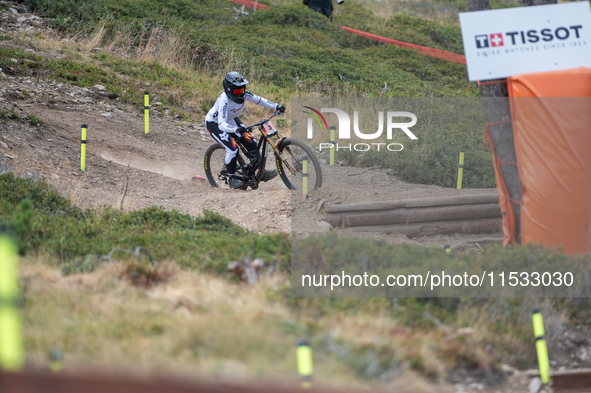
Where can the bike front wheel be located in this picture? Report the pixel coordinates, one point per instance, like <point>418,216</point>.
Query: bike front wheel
<point>215,166</point>
<point>295,152</point>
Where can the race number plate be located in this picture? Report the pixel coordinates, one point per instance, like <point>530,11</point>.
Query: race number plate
<point>269,128</point>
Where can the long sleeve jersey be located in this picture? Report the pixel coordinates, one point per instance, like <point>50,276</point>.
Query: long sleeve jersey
<point>225,110</point>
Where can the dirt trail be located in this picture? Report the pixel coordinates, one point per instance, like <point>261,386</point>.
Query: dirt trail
<point>164,161</point>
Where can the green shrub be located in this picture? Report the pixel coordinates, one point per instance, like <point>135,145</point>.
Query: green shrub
<point>207,242</point>
<point>19,225</point>
<point>23,59</point>
<point>34,120</point>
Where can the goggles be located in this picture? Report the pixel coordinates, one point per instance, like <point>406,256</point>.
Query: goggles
<point>238,92</point>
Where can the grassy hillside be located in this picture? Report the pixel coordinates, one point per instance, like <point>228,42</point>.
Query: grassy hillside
<point>180,50</point>
<point>288,46</point>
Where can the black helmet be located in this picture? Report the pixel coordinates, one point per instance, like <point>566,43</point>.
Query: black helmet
<point>235,86</point>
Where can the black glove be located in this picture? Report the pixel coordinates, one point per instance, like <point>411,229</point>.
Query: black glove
<point>240,131</point>
<point>280,108</point>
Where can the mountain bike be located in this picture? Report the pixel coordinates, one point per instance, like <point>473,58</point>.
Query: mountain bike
<point>292,156</point>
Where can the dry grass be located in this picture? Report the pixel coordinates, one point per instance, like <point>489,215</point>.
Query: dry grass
<point>193,324</point>
<point>198,325</point>
<point>96,38</point>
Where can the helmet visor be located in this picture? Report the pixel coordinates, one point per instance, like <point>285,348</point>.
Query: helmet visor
<point>239,91</point>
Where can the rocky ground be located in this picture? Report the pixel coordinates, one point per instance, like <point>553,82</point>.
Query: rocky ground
<point>17,20</point>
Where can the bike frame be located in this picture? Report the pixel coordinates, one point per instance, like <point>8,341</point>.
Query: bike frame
<point>262,147</point>
<point>263,151</point>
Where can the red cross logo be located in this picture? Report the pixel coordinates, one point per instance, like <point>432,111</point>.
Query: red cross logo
<point>496,39</point>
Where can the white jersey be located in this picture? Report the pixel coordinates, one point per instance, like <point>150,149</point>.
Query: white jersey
<point>225,110</point>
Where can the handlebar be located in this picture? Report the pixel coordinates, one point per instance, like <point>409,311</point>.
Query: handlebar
<point>277,113</point>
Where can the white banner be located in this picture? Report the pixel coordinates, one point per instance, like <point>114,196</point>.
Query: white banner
<point>507,42</point>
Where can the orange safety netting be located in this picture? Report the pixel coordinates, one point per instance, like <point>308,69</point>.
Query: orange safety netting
<point>551,117</point>
<point>437,53</point>
<point>505,201</point>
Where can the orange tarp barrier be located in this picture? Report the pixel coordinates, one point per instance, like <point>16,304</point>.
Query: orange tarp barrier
<point>551,118</point>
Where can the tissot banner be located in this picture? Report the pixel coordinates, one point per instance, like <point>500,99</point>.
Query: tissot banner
<point>507,42</point>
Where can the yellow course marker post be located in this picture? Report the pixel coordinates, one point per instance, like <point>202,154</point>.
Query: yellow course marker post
<point>11,346</point>
<point>541,347</point>
<point>56,360</point>
<point>83,148</point>
<point>461,169</point>
<point>147,110</point>
<point>304,358</point>
<point>305,175</point>
<point>332,142</point>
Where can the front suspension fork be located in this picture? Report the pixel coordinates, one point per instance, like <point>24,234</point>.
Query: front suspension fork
<point>276,150</point>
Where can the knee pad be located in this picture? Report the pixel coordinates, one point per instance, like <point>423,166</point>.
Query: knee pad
<point>230,155</point>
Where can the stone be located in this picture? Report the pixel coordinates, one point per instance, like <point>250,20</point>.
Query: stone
<point>4,145</point>
<point>22,19</point>
<point>106,114</point>
<point>324,225</point>
<point>465,331</point>
<point>246,269</point>
<point>508,369</point>
<point>13,10</point>
<point>100,87</point>
<point>534,385</point>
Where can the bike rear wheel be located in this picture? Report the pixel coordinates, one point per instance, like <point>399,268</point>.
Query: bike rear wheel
<point>215,166</point>
<point>295,151</point>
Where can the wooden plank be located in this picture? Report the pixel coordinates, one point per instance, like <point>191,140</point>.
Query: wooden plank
<point>417,202</point>
<point>46,382</point>
<point>571,381</point>
<point>485,225</point>
<point>418,214</point>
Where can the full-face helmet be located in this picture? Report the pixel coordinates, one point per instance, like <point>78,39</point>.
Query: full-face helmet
<point>235,86</point>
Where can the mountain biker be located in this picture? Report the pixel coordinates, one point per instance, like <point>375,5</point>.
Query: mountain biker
<point>225,127</point>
